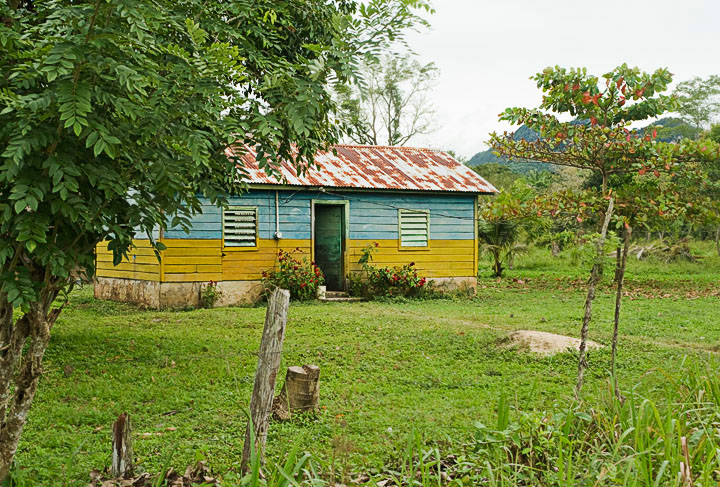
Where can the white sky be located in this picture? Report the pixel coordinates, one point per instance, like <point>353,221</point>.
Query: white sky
<point>487,50</point>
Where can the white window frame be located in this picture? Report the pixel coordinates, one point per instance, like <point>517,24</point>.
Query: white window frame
<point>233,244</point>
<point>413,244</point>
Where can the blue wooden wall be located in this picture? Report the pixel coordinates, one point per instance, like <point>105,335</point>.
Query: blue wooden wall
<point>373,215</point>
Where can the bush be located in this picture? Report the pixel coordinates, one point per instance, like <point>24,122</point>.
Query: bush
<point>301,278</point>
<point>386,281</point>
<point>210,294</point>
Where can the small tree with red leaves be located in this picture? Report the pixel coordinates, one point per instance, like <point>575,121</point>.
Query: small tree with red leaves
<point>600,138</point>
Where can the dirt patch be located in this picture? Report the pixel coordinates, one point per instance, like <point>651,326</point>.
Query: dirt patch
<point>544,343</point>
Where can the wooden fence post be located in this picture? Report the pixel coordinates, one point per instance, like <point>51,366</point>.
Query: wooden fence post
<point>122,452</point>
<point>268,365</point>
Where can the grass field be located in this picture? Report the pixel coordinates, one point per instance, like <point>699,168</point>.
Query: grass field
<point>387,367</point>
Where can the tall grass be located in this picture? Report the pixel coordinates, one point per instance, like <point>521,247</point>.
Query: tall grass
<point>674,441</point>
<point>635,442</point>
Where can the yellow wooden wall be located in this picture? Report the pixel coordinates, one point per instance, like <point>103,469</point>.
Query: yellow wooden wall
<point>443,258</point>
<point>248,265</point>
<point>142,263</point>
<point>193,260</point>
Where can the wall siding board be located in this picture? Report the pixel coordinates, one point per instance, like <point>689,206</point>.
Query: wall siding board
<point>142,263</point>
<point>373,215</point>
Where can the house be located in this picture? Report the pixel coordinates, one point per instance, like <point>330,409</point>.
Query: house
<point>419,205</point>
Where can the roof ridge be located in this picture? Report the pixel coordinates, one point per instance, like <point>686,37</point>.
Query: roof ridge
<point>398,147</point>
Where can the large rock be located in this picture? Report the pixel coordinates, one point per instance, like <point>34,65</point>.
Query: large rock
<point>545,343</point>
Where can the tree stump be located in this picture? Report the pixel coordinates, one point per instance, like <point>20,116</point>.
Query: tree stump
<point>122,452</point>
<point>300,392</point>
<point>268,365</point>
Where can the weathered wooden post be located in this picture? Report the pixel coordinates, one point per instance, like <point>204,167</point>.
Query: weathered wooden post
<point>122,452</point>
<point>268,364</point>
<point>299,393</point>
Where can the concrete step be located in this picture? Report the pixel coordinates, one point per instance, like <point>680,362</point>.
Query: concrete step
<point>341,299</point>
<point>336,294</point>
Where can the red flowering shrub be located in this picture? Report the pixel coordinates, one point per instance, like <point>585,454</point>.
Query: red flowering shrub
<point>210,294</point>
<point>301,278</point>
<point>387,281</point>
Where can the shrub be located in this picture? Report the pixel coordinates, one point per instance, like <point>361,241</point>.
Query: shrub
<point>300,277</point>
<point>386,281</point>
<point>210,294</point>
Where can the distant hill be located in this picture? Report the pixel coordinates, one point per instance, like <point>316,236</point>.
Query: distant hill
<point>672,129</point>
<point>523,133</point>
<point>669,129</point>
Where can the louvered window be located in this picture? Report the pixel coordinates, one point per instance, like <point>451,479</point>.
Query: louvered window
<point>240,226</point>
<point>414,228</point>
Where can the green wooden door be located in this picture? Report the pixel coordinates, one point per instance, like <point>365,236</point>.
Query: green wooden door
<point>329,244</point>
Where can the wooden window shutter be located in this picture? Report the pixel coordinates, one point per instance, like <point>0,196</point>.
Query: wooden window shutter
<point>240,226</point>
<point>414,228</point>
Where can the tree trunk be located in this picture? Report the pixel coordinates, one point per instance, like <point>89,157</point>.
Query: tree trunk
<point>554,249</point>
<point>618,259</point>
<point>268,364</point>
<point>122,452</point>
<point>619,278</point>
<point>717,241</point>
<point>497,266</point>
<point>22,348</point>
<point>300,393</point>
<point>594,278</point>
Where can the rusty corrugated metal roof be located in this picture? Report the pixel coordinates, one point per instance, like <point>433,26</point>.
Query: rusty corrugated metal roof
<point>374,167</point>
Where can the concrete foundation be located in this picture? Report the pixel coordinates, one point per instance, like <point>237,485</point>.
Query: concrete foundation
<point>161,295</point>
<point>448,284</point>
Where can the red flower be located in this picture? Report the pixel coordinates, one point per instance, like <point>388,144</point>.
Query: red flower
<point>376,244</point>
<point>303,285</point>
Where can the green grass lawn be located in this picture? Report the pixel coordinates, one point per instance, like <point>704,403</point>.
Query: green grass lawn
<point>386,367</point>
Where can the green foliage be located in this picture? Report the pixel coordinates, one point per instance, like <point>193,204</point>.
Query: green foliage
<point>714,133</point>
<point>116,117</point>
<point>500,176</point>
<point>650,180</point>
<point>402,280</point>
<point>210,294</point>
<point>672,129</point>
<point>301,277</point>
<point>503,219</point>
<point>636,443</point>
<point>490,157</point>
<point>559,240</point>
<point>585,252</point>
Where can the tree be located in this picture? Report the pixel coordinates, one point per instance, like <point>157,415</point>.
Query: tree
<point>540,180</point>
<point>712,167</point>
<point>602,144</point>
<point>391,105</point>
<point>714,133</point>
<point>502,177</point>
<point>502,221</point>
<point>115,118</point>
<point>698,100</point>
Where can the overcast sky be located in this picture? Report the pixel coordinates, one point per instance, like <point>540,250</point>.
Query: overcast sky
<point>487,50</point>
